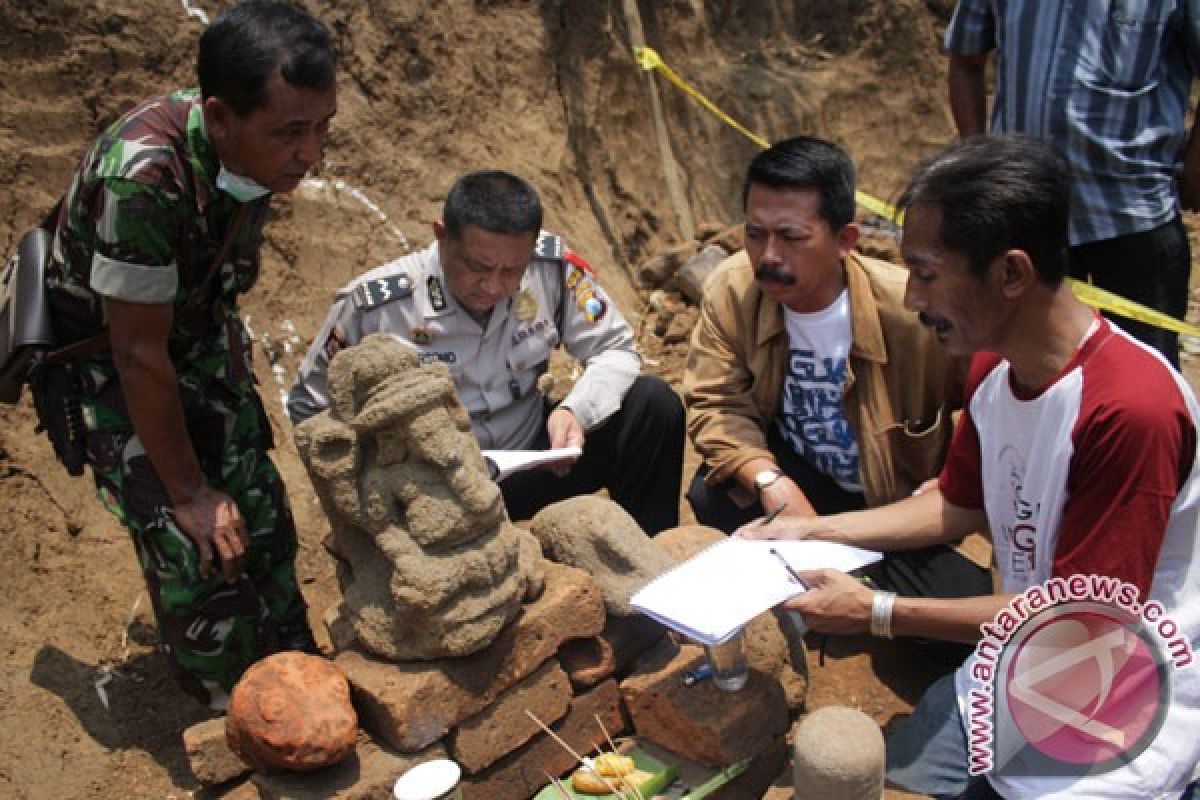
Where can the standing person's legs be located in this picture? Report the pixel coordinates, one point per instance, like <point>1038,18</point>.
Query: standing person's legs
<point>210,631</point>
<point>637,454</point>
<point>1151,268</point>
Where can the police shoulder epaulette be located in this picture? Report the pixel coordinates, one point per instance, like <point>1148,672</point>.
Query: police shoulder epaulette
<point>380,291</point>
<point>549,246</point>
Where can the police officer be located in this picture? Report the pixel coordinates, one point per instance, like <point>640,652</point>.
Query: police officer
<point>491,299</point>
<point>158,236</point>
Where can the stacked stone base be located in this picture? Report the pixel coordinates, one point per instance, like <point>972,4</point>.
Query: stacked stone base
<point>560,661</point>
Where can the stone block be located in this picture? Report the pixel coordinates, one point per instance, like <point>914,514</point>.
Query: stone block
<point>596,535</point>
<point>730,239</point>
<point>679,329</point>
<point>589,661</point>
<point>410,705</point>
<point>520,774</point>
<point>367,774</point>
<point>209,755</point>
<point>702,723</point>
<point>695,271</point>
<point>243,791</point>
<point>504,726</point>
<point>661,266</point>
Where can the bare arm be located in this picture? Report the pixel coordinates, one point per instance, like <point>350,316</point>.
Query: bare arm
<point>922,520</point>
<point>967,85</point>
<point>138,334</point>
<point>839,604</point>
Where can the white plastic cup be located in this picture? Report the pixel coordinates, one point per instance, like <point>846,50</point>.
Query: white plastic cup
<point>433,780</point>
<point>728,662</point>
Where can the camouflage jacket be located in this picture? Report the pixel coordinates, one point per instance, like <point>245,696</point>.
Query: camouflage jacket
<point>142,222</point>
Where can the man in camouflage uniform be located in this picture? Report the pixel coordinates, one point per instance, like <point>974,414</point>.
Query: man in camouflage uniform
<point>491,299</point>
<point>158,235</point>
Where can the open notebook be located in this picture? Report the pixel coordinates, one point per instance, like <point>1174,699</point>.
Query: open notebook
<point>712,595</point>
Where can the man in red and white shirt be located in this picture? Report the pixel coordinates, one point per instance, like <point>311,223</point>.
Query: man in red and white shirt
<point>1076,448</point>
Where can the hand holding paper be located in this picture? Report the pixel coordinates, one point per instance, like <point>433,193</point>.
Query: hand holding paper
<point>502,463</point>
<point>712,595</point>
<point>835,603</point>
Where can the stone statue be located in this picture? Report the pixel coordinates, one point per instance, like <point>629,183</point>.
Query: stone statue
<point>429,564</point>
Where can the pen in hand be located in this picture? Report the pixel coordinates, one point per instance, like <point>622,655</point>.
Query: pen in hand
<point>795,575</point>
<point>769,518</point>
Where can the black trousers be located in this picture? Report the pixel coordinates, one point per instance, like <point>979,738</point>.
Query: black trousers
<point>938,571</point>
<point>1150,268</point>
<point>637,455</point>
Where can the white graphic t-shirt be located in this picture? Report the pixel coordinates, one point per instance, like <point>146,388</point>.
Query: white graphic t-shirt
<point>811,418</point>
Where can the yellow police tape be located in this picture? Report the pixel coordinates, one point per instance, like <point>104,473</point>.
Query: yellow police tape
<point>648,59</point>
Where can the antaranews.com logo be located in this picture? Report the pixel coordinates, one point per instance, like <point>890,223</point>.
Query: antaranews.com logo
<point>1072,677</point>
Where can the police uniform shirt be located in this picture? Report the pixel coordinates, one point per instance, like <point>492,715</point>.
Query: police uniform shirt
<point>495,367</point>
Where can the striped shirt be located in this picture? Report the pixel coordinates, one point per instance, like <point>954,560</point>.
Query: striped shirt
<point>1106,83</point>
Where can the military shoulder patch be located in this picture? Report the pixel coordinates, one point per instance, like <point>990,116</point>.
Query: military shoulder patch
<point>380,291</point>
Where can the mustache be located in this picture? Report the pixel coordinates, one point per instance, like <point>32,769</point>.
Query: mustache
<point>770,275</point>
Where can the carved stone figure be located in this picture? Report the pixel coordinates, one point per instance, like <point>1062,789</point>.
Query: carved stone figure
<point>429,564</point>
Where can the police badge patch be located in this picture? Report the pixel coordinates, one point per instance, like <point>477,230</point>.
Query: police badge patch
<point>525,307</point>
<point>437,296</point>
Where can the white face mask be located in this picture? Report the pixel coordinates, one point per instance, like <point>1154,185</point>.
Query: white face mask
<point>241,188</point>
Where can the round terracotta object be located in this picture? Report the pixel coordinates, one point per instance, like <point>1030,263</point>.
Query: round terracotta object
<point>291,711</point>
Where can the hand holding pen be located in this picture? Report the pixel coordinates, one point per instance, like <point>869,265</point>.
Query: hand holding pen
<point>795,575</point>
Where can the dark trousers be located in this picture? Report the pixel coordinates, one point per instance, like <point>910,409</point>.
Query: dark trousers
<point>637,455</point>
<point>1150,268</point>
<point>937,571</point>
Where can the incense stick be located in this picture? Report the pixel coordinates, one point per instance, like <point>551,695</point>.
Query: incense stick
<point>637,792</point>
<point>586,762</point>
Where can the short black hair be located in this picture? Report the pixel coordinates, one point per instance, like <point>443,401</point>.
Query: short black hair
<point>805,162</point>
<point>246,44</point>
<point>998,193</point>
<point>496,201</point>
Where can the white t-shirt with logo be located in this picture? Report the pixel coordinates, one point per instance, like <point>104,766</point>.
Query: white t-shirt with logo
<point>1095,474</point>
<point>812,419</point>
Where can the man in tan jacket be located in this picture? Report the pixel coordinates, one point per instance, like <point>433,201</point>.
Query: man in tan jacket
<point>809,387</point>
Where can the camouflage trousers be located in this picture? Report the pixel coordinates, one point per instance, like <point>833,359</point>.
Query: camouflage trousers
<point>210,630</point>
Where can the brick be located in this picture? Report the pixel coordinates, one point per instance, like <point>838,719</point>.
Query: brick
<point>504,726</point>
<point>368,774</point>
<point>208,753</point>
<point>703,723</point>
<point>521,774</point>
<point>589,661</point>
<point>410,705</point>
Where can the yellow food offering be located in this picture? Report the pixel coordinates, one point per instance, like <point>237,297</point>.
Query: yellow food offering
<point>614,765</point>
<point>609,771</point>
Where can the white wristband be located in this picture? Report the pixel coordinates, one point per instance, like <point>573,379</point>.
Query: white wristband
<point>881,614</point>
